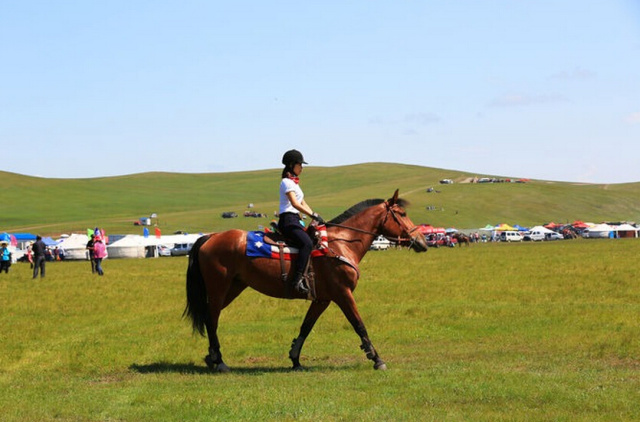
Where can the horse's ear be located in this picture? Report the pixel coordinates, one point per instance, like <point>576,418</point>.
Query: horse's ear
<point>393,200</point>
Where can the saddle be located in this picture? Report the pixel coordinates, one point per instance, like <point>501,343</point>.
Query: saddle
<point>320,247</point>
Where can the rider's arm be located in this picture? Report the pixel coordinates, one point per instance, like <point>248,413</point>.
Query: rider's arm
<point>299,205</point>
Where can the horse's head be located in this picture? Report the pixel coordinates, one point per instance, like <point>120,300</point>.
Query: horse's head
<point>398,225</point>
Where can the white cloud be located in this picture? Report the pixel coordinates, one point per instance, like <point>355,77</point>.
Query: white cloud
<point>575,74</point>
<point>633,118</point>
<point>517,100</point>
<point>422,118</point>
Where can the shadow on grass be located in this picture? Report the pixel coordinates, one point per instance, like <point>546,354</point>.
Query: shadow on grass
<point>192,368</point>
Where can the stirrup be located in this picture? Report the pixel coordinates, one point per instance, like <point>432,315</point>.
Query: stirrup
<point>300,286</point>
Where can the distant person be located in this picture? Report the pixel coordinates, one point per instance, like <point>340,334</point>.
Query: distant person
<point>90,244</point>
<point>30,256</point>
<point>39,251</point>
<point>5,257</point>
<point>99,253</point>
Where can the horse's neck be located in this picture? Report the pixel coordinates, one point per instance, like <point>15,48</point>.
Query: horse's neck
<point>358,232</point>
<point>368,220</point>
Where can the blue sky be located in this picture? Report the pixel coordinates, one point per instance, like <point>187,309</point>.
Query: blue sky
<point>539,89</point>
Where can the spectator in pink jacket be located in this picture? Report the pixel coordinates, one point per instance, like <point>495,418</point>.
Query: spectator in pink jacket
<point>99,252</point>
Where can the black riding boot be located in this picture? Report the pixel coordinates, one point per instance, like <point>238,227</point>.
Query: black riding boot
<point>300,284</point>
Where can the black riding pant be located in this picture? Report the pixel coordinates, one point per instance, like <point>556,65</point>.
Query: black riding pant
<point>38,266</point>
<point>4,266</point>
<point>291,228</point>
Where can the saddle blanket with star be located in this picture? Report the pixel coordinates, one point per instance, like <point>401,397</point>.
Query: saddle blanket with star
<point>258,247</point>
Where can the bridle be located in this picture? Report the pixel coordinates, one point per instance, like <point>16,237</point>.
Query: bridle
<point>399,240</point>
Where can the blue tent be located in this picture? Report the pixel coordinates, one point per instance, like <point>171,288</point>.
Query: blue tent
<point>25,237</point>
<point>49,241</point>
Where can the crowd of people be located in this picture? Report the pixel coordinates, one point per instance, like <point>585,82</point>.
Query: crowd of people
<point>37,254</point>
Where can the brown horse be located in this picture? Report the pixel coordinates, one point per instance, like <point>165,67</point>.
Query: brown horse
<point>461,238</point>
<point>219,271</point>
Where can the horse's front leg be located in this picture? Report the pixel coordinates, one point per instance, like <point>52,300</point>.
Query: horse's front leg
<point>315,310</point>
<point>348,305</point>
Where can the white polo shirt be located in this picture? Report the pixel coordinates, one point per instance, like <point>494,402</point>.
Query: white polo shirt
<point>288,185</point>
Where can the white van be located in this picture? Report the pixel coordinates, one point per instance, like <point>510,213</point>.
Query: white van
<point>510,236</point>
<point>180,249</point>
<point>381,243</point>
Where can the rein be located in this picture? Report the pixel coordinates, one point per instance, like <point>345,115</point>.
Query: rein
<point>397,239</point>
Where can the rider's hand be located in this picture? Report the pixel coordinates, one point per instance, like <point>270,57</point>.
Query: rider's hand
<point>317,218</point>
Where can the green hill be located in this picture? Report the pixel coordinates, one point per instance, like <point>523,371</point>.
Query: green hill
<point>194,202</point>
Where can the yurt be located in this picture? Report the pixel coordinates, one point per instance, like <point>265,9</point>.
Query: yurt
<point>130,246</point>
<point>600,231</point>
<point>75,246</point>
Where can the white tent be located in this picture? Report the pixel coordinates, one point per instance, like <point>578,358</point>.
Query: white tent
<point>75,246</point>
<point>541,229</point>
<point>130,246</point>
<point>136,246</point>
<point>626,230</point>
<point>172,239</point>
<point>599,231</point>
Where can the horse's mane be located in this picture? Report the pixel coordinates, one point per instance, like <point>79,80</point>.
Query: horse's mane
<point>360,206</point>
<point>356,209</point>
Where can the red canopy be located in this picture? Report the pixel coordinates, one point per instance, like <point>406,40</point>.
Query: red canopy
<point>428,229</point>
<point>580,224</point>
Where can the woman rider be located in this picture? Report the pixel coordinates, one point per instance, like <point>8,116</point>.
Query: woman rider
<point>292,203</point>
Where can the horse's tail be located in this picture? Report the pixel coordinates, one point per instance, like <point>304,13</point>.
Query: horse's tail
<point>197,308</point>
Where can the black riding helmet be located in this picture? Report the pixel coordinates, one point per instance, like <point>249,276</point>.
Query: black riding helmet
<point>292,157</point>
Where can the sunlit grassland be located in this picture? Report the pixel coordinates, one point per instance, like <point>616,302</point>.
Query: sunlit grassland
<point>195,202</point>
<point>544,331</point>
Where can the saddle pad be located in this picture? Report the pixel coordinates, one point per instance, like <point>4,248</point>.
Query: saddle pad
<point>257,247</point>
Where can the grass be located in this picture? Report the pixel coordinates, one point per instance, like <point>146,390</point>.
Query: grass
<point>543,331</point>
<point>195,202</point>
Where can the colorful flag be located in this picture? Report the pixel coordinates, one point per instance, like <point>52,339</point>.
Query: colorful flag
<point>257,247</point>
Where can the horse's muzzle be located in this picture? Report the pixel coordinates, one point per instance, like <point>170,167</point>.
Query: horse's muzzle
<point>419,243</point>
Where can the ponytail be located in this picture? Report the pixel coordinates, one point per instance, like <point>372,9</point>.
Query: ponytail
<point>287,171</point>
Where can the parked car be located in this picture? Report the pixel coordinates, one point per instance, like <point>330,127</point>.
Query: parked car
<point>380,243</point>
<point>553,236</point>
<point>534,236</point>
<point>446,182</point>
<point>439,239</point>
<point>510,236</point>
<point>254,214</point>
<point>164,250</point>
<point>181,249</point>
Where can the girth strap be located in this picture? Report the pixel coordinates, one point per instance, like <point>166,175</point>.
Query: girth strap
<point>283,270</point>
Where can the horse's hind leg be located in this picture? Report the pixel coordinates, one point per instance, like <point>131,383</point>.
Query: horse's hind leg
<point>214,358</point>
<point>315,310</point>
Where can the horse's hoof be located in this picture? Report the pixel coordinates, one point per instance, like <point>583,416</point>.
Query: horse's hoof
<point>210,363</point>
<point>223,368</point>
<point>380,366</point>
<point>298,368</point>
<point>216,367</point>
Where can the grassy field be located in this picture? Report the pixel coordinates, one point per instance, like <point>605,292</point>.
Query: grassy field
<point>195,202</point>
<point>544,331</point>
